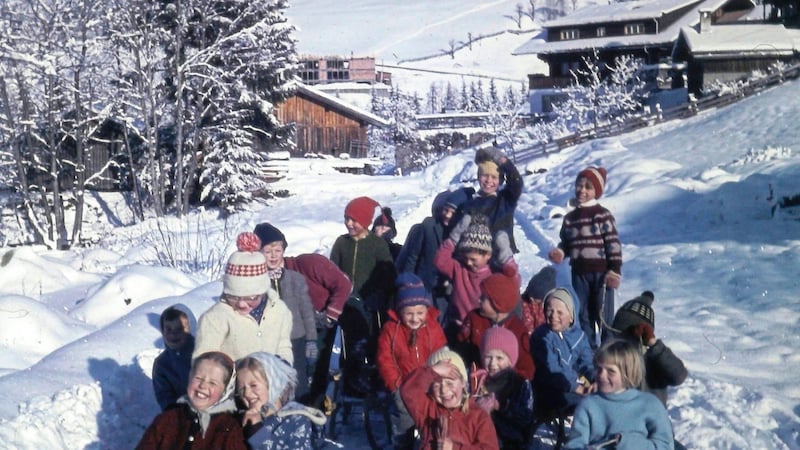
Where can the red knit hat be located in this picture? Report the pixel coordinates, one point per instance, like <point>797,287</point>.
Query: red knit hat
<point>503,339</point>
<point>501,291</point>
<point>596,176</point>
<point>361,209</point>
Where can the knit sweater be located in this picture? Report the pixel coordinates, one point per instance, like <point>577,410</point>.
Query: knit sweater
<point>589,239</point>
<point>223,329</point>
<point>499,208</point>
<point>369,265</point>
<point>397,357</point>
<point>293,290</point>
<point>328,287</point>
<point>466,283</point>
<point>639,418</point>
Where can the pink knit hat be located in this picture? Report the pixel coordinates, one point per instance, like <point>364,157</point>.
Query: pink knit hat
<point>503,339</point>
<point>246,271</point>
<point>361,209</point>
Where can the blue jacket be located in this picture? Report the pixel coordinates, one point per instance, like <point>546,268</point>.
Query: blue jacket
<point>639,418</point>
<point>171,373</point>
<point>419,249</point>
<point>293,427</point>
<point>560,359</point>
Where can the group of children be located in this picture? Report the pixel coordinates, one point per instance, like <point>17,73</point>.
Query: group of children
<point>455,304</point>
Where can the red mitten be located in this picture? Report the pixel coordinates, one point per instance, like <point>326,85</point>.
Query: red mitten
<point>613,279</point>
<point>556,255</point>
<point>510,268</point>
<point>644,331</point>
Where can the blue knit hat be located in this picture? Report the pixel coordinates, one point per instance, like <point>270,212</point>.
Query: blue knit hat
<point>411,292</point>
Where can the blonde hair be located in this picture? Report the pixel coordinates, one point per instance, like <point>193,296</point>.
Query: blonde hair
<point>627,357</point>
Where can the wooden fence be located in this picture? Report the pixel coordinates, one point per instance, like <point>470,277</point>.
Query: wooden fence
<point>751,87</point>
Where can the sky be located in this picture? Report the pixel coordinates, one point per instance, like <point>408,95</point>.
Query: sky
<point>693,201</point>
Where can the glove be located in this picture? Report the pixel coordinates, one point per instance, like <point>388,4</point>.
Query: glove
<point>644,332</point>
<point>312,352</point>
<point>503,244</point>
<point>556,255</point>
<point>460,228</point>
<point>612,279</point>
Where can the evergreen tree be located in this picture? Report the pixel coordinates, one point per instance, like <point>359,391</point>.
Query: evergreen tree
<point>450,101</point>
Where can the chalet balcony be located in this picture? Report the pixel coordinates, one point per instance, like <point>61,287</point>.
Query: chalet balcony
<point>537,81</point>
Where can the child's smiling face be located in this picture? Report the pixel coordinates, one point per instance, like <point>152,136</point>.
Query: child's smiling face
<point>489,182</point>
<point>449,392</point>
<point>584,190</point>
<point>475,260</point>
<point>206,384</point>
<point>414,316</point>
<point>609,378</point>
<point>273,253</point>
<point>354,229</point>
<point>176,332</point>
<point>252,389</point>
<point>496,361</point>
<point>557,315</point>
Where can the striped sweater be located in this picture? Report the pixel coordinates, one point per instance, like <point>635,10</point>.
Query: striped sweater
<point>589,239</point>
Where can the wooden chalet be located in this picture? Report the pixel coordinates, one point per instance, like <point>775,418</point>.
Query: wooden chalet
<point>646,30</point>
<point>334,69</point>
<point>724,53</point>
<point>325,124</point>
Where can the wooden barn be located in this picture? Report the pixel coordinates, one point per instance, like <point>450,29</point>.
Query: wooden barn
<point>325,124</point>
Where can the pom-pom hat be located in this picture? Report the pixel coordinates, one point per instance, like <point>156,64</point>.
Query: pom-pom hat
<point>361,209</point>
<point>478,236</point>
<point>246,270</point>
<point>268,234</point>
<point>503,339</point>
<point>596,176</point>
<point>636,311</point>
<point>501,291</point>
<point>411,292</point>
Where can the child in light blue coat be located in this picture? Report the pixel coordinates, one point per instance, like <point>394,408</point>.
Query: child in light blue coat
<point>619,412</point>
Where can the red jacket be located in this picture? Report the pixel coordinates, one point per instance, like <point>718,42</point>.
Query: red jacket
<point>172,428</point>
<point>472,332</point>
<point>471,429</point>
<point>396,358</point>
<point>328,287</point>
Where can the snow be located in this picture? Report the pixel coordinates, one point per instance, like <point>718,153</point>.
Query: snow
<point>693,200</point>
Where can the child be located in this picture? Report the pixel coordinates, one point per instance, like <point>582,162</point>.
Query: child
<point>203,418</point>
<point>500,188</point>
<point>533,297</point>
<point>498,300</point>
<point>365,259</point>
<point>293,290</point>
<point>406,341</point>
<point>562,356</point>
<point>589,238</point>
<point>446,417</point>
<point>501,391</point>
<point>265,384</point>
<point>384,227</point>
<point>619,410</point>
<point>635,322</point>
<point>464,258</point>
<point>250,317</point>
<point>171,368</point>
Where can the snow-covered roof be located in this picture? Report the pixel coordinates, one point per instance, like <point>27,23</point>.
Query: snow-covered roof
<point>340,104</point>
<point>616,13</point>
<point>619,12</point>
<point>725,40</point>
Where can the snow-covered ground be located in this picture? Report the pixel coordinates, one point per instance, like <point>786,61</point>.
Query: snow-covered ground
<point>692,200</point>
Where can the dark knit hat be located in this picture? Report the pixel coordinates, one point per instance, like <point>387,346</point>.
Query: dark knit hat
<point>478,236</point>
<point>457,198</point>
<point>541,283</point>
<point>269,234</point>
<point>501,291</point>
<point>385,219</point>
<point>564,296</point>
<point>246,270</point>
<point>411,292</point>
<point>596,176</point>
<point>636,311</point>
<point>361,209</point>
<point>503,339</point>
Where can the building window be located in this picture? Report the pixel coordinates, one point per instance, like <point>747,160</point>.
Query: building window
<point>309,70</point>
<point>338,69</point>
<point>601,31</point>
<point>634,28</point>
<point>567,35</point>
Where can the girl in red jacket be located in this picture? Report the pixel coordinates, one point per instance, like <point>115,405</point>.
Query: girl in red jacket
<point>406,341</point>
<point>446,417</point>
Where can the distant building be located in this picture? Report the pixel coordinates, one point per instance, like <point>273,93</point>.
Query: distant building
<point>332,69</point>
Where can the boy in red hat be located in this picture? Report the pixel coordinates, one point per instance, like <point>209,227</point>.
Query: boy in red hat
<point>589,239</point>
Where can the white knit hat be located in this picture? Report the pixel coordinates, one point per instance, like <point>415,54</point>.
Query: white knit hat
<point>246,271</point>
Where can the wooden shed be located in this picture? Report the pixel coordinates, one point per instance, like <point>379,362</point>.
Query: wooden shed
<point>326,124</point>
